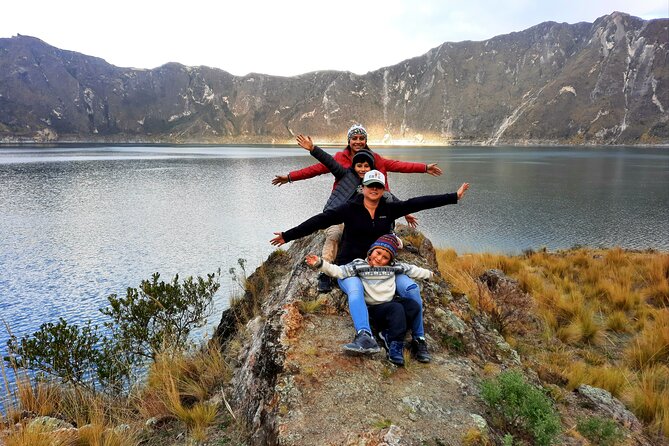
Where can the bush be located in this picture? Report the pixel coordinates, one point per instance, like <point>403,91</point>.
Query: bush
<point>600,431</point>
<point>61,349</point>
<point>520,404</point>
<point>155,317</point>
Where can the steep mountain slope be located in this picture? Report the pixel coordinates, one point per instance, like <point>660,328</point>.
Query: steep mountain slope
<point>605,82</point>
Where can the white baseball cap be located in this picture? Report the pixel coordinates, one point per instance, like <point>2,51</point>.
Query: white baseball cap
<point>374,177</point>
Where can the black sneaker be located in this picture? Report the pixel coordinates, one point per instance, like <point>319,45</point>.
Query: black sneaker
<point>396,352</point>
<point>363,343</point>
<point>324,283</point>
<point>419,350</point>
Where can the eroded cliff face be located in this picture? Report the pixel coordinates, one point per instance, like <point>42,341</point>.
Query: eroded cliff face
<point>293,384</point>
<point>602,82</point>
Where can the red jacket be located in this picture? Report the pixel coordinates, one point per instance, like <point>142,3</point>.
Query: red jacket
<point>344,158</point>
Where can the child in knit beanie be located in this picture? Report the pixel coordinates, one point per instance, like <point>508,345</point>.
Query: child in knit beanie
<point>377,273</point>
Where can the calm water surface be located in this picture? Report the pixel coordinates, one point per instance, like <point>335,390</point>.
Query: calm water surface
<point>77,224</point>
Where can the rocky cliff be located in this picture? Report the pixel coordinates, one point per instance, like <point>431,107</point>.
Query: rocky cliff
<point>605,82</point>
<point>293,385</point>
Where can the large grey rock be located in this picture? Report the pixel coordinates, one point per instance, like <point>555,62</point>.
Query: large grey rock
<point>603,401</point>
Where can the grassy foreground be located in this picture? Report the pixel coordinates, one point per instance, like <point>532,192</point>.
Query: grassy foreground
<point>593,316</point>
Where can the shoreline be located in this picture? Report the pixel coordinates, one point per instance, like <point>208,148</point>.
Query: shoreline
<point>375,144</point>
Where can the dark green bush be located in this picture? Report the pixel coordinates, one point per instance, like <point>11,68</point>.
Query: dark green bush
<point>522,405</point>
<point>59,349</point>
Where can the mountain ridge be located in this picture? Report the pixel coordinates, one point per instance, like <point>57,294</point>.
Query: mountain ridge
<point>604,82</point>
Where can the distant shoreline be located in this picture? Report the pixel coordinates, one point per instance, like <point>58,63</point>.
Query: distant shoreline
<point>323,145</point>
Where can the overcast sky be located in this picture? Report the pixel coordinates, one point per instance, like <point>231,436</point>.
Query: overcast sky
<point>287,37</point>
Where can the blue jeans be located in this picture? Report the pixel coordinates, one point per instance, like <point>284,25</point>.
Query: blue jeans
<point>352,286</point>
<point>406,288</point>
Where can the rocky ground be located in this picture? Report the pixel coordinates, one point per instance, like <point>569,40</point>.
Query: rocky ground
<point>293,384</point>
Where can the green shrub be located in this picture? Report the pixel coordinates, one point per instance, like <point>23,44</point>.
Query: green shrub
<point>521,404</point>
<point>154,317</point>
<point>159,315</point>
<point>600,431</point>
<point>61,349</point>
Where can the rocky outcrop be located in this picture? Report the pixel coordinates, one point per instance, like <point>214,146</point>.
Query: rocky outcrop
<point>601,83</point>
<point>293,385</point>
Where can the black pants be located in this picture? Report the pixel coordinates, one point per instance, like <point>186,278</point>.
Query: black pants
<point>394,316</point>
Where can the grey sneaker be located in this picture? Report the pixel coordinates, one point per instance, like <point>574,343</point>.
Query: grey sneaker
<point>363,343</point>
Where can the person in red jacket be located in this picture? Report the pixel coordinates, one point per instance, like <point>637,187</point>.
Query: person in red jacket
<point>357,140</point>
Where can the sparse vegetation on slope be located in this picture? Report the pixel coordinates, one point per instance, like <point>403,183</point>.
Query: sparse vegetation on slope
<point>604,319</point>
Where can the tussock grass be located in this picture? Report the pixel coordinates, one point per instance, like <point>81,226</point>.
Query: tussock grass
<point>33,437</point>
<point>651,346</point>
<point>42,398</point>
<point>618,322</point>
<point>649,397</point>
<point>608,307</point>
<point>182,385</point>
<point>312,306</point>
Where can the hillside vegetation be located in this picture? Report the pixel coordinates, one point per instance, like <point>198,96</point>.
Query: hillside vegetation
<point>603,319</point>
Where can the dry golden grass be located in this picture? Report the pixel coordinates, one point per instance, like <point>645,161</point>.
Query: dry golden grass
<point>197,417</point>
<point>41,398</point>
<point>32,437</point>
<point>651,346</point>
<point>181,385</point>
<point>178,385</point>
<point>475,437</point>
<point>649,397</point>
<point>592,300</point>
<point>618,322</point>
<point>312,306</point>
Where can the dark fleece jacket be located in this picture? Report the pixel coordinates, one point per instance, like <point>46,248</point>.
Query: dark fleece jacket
<point>360,229</point>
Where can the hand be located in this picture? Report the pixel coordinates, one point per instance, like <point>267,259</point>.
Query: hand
<point>278,240</point>
<point>433,170</point>
<point>412,220</point>
<point>462,190</point>
<point>279,180</point>
<point>305,142</point>
<point>311,260</point>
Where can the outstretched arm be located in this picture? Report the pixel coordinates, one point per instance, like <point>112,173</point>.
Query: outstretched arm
<point>306,143</point>
<point>400,208</point>
<point>309,226</point>
<point>411,219</point>
<point>339,272</point>
<point>328,161</point>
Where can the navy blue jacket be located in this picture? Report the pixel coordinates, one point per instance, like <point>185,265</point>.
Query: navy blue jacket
<point>347,180</point>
